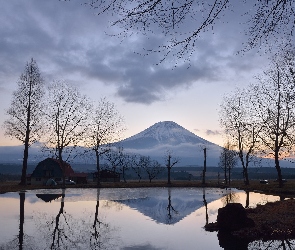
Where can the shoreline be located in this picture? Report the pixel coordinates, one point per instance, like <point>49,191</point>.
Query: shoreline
<point>288,191</point>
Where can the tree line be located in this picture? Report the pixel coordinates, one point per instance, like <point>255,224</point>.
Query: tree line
<point>63,119</point>
<point>259,120</point>
<point>60,117</point>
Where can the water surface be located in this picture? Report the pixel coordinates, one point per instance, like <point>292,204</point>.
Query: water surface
<point>139,218</point>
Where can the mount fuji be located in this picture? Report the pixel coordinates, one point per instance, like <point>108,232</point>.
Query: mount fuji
<point>165,136</point>
<point>154,141</point>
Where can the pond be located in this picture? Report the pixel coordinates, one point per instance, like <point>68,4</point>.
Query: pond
<point>125,219</point>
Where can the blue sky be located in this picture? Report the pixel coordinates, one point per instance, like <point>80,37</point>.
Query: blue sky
<point>70,42</point>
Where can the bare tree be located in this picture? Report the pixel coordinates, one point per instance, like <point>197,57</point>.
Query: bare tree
<point>114,158</point>
<point>268,20</point>
<point>136,166</point>
<point>124,164</point>
<point>228,160</point>
<point>151,167</point>
<point>274,98</point>
<point>237,119</point>
<point>67,113</point>
<point>271,21</point>
<point>168,17</point>
<point>25,112</point>
<point>106,127</point>
<point>170,163</point>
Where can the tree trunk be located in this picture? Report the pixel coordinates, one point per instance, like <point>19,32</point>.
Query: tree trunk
<point>204,170</point>
<point>278,168</point>
<point>25,164</point>
<point>169,168</point>
<point>26,150</point>
<point>225,176</point>
<point>62,167</point>
<point>97,167</point>
<point>246,176</point>
<point>229,169</point>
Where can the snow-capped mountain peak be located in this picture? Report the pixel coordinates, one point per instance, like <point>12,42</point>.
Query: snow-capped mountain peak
<point>166,132</point>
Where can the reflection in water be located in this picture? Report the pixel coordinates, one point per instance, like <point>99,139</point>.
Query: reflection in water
<point>247,199</point>
<point>170,208</point>
<point>22,240</point>
<point>102,234</point>
<point>151,218</point>
<point>48,197</point>
<point>22,197</point>
<point>206,205</point>
<point>95,236</point>
<point>230,197</point>
<point>59,234</point>
<point>74,231</point>
<point>229,242</point>
<point>272,244</point>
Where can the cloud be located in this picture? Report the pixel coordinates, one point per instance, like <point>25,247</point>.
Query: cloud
<point>213,132</point>
<point>67,39</point>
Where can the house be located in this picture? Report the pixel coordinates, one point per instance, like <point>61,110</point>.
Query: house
<point>49,169</point>
<point>107,176</point>
<point>79,178</point>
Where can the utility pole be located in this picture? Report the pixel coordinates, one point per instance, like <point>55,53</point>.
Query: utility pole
<point>204,170</point>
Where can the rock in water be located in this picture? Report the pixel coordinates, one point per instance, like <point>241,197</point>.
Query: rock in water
<point>233,217</point>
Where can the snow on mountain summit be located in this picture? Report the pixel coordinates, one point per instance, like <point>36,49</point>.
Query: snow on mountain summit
<point>165,136</point>
<point>166,132</point>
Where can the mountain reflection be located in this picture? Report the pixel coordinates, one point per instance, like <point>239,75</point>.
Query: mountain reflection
<point>169,206</point>
<point>117,219</point>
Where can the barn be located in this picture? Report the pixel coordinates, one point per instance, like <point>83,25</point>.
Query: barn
<point>50,169</point>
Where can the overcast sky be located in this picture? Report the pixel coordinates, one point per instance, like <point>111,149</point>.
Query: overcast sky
<point>70,42</point>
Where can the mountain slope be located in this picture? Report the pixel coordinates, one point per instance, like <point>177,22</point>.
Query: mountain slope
<point>162,133</point>
<point>165,136</point>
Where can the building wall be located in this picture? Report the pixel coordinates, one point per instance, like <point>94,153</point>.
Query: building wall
<point>46,169</point>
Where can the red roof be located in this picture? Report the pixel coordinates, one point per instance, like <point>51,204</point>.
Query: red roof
<point>67,167</point>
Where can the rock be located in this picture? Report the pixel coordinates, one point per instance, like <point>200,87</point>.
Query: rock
<point>233,217</point>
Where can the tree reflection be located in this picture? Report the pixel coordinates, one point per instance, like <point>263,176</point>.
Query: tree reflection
<point>230,197</point>
<point>22,240</point>
<point>170,208</point>
<point>206,206</point>
<point>60,231</point>
<point>59,234</point>
<point>247,199</point>
<point>286,244</point>
<point>22,197</point>
<point>66,231</point>
<point>100,234</point>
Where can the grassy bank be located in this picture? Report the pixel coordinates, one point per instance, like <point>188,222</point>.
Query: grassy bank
<point>272,188</point>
